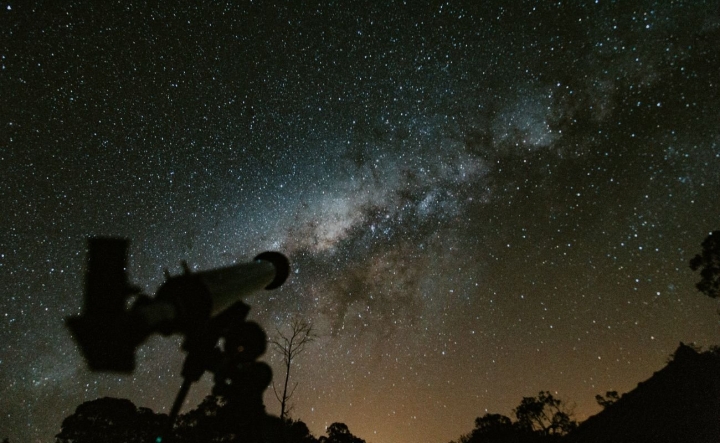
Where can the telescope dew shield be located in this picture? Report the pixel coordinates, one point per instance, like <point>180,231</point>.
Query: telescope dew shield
<point>268,270</point>
<point>196,297</point>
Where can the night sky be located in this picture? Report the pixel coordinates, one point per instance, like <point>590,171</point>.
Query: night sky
<point>480,200</point>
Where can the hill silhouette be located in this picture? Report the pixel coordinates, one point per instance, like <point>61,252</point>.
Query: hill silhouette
<point>679,403</point>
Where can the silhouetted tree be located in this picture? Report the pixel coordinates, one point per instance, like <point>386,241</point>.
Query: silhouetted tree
<point>201,423</point>
<point>339,433</point>
<point>297,431</point>
<point>492,428</point>
<point>609,398</point>
<point>219,420</point>
<point>111,420</point>
<point>709,261</point>
<point>541,419</point>
<point>291,345</point>
<point>215,420</point>
<point>544,415</point>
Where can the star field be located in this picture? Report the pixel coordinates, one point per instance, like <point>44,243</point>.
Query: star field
<point>479,200</point>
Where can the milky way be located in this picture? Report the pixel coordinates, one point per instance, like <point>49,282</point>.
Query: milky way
<point>479,201</point>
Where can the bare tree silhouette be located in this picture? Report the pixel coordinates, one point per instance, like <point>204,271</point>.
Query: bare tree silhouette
<point>290,345</point>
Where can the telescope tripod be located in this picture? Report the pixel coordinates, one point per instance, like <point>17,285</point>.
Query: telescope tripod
<point>228,346</point>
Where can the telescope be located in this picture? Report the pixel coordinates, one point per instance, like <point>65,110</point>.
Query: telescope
<point>205,307</point>
<point>108,332</point>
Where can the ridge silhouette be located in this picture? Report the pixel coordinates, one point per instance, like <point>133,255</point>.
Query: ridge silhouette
<point>679,403</point>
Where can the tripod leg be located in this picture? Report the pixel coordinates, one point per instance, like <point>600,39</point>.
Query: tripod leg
<point>180,399</point>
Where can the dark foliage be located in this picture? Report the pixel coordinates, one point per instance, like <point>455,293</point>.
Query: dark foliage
<point>709,261</point>
<point>214,420</point>
<point>544,415</point>
<point>607,400</point>
<point>201,424</point>
<point>493,428</point>
<point>297,431</point>
<point>339,433</point>
<point>111,420</point>
<point>540,419</point>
